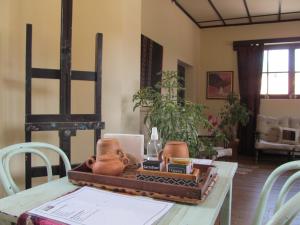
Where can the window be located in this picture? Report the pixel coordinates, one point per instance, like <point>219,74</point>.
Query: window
<point>281,71</point>
<point>151,62</point>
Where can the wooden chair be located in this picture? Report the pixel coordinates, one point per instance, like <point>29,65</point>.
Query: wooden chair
<point>284,211</point>
<point>8,152</point>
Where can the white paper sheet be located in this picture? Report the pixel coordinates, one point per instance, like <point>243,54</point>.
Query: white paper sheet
<point>89,206</point>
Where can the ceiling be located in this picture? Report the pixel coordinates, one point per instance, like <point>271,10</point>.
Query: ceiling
<point>219,13</point>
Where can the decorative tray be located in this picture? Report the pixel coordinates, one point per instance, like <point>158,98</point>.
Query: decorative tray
<point>128,183</point>
<point>190,180</point>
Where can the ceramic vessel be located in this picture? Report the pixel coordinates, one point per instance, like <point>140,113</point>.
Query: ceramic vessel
<point>108,164</point>
<point>108,145</point>
<point>174,149</point>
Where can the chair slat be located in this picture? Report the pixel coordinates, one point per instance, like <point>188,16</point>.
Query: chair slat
<point>8,152</point>
<point>260,209</point>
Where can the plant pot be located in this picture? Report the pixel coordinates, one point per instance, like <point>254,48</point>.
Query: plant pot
<point>234,145</point>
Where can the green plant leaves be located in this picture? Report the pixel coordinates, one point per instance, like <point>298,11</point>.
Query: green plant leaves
<point>233,113</point>
<point>174,121</point>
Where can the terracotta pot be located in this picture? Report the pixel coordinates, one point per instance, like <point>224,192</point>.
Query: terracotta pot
<point>108,146</point>
<point>234,145</point>
<point>174,149</point>
<point>108,164</point>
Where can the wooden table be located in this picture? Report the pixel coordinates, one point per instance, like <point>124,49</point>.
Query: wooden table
<point>206,213</point>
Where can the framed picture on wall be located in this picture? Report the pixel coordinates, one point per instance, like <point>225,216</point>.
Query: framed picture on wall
<point>219,84</point>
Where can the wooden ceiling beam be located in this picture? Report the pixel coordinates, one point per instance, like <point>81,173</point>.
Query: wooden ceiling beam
<point>185,12</point>
<point>253,23</point>
<point>237,44</point>
<point>279,10</point>
<point>217,12</point>
<point>257,16</point>
<point>247,10</point>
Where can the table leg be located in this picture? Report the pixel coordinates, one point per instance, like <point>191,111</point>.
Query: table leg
<point>293,155</point>
<point>256,155</point>
<point>225,214</point>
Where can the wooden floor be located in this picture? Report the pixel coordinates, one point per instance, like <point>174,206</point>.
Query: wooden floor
<point>247,185</point>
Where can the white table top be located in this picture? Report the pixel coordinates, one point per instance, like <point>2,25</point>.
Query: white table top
<point>205,213</point>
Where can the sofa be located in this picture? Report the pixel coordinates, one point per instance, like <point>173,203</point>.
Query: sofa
<point>277,135</point>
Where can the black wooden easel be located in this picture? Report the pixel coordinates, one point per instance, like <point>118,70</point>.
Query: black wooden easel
<point>65,123</point>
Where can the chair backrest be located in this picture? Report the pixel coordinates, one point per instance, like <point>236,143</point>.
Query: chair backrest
<point>8,152</point>
<point>287,212</point>
<point>284,211</point>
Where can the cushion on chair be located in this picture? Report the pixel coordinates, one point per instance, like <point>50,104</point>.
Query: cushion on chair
<point>295,123</point>
<point>265,123</point>
<point>289,135</point>
<point>297,148</point>
<point>273,135</point>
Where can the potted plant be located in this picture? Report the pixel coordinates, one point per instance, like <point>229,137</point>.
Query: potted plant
<point>175,119</point>
<point>232,114</point>
<point>214,139</point>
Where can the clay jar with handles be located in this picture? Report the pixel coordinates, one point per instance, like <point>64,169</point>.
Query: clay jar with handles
<point>174,149</point>
<point>108,145</point>
<point>108,164</point>
<point>110,159</point>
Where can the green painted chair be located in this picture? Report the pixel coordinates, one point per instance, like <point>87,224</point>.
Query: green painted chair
<point>8,152</point>
<point>284,211</point>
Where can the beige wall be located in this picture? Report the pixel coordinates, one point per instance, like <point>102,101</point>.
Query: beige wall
<point>164,22</point>
<point>118,20</point>
<point>217,54</point>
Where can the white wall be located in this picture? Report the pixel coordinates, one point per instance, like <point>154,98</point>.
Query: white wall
<point>217,54</point>
<point>165,23</point>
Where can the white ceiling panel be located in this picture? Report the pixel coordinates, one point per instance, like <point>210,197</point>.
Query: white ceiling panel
<point>290,16</point>
<point>200,10</point>
<point>237,21</point>
<point>234,11</point>
<point>230,8</point>
<point>290,5</point>
<point>263,7</point>
<point>265,18</point>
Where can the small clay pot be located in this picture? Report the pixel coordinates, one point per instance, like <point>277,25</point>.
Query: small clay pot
<point>108,145</point>
<point>174,149</point>
<point>108,164</point>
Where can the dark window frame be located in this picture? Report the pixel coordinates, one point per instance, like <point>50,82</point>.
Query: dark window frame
<point>291,71</point>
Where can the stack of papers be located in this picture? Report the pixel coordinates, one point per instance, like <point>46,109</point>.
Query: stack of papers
<point>88,206</point>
